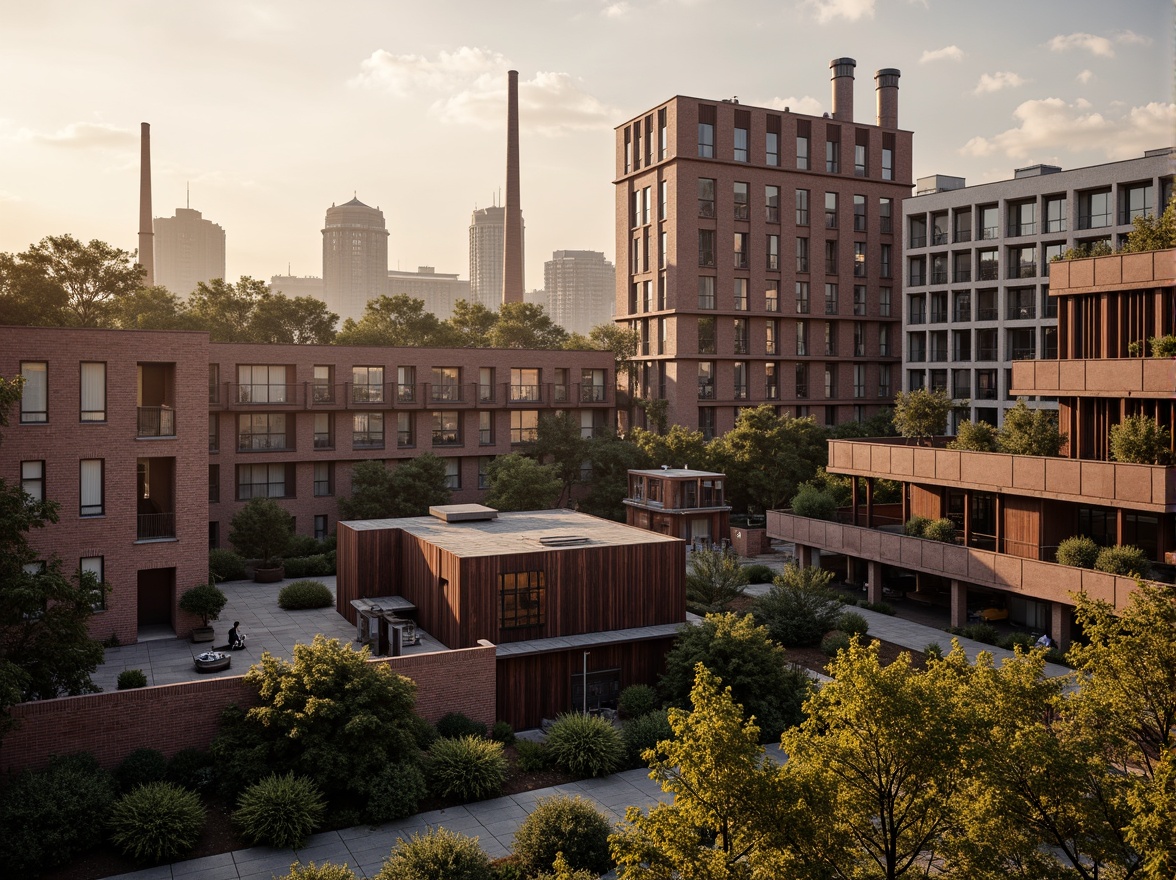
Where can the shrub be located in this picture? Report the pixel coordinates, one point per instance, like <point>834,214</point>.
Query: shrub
<point>975,437</point>
<point>532,756</point>
<point>1079,551</point>
<point>280,811</point>
<point>49,816</point>
<point>1125,560</point>
<point>880,607</point>
<point>454,725</point>
<point>225,565</point>
<point>1163,346</point>
<point>130,679</point>
<point>814,502</point>
<point>833,642</point>
<point>204,600</point>
<point>157,822</point>
<point>714,578</point>
<point>305,594</point>
<point>190,768</point>
<point>318,565</point>
<point>853,624</point>
<point>585,745</point>
<point>139,768</point>
<point>914,526</point>
<point>423,732</point>
<point>1017,640</point>
<point>645,732</point>
<point>502,732</point>
<point>561,870</point>
<point>439,854</point>
<point>261,530</point>
<point>636,700</point>
<point>301,545</point>
<point>933,651</point>
<point>325,871</point>
<point>942,530</point>
<point>572,826</point>
<point>981,632</point>
<point>759,574</point>
<point>1140,440</point>
<point>393,793</point>
<point>469,768</point>
<point>799,608</point>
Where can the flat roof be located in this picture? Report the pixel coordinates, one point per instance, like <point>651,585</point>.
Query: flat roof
<point>676,472</point>
<point>518,532</point>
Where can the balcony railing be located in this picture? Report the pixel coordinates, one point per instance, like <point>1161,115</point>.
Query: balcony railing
<point>1021,312</point>
<point>1023,270</point>
<point>156,525</point>
<point>988,272</point>
<point>446,437</point>
<point>248,442</point>
<point>963,235</point>
<point>446,393</point>
<point>1024,354</point>
<point>157,421</point>
<point>367,393</point>
<point>525,393</point>
<point>962,276</point>
<point>593,394</point>
<point>987,313</point>
<point>918,279</point>
<point>918,241</point>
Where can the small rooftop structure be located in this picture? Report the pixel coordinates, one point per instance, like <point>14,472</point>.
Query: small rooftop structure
<point>686,503</point>
<point>451,513</point>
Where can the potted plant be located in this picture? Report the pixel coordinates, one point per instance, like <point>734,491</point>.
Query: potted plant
<point>207,601</point>
<point>261,530</point>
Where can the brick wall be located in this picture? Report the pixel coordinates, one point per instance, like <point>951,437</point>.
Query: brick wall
<point>173,717</point>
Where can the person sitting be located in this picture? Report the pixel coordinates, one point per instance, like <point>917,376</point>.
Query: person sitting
<point>236,637</point>
<point>1045,641</point>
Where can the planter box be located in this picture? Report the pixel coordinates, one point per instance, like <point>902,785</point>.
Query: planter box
<point>203,634</point>
<point>269,575</point>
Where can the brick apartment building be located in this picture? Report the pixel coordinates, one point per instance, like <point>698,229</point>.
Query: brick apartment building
<point>1012,511</point>
<point>152,440</point>
<point>758,254</point>
<point>977,269</point>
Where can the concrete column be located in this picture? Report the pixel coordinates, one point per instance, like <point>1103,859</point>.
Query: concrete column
<point>874,581</point>
<point>959,604</point>
<point>853,495</point>
<point>1059,624</point>
<point>804,556</point>
<point>869,502</point>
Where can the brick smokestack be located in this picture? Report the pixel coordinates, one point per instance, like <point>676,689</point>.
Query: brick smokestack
<point>842,79</point>
<point>886,85</point>
<point>146,233</point>
<point>512,238</point>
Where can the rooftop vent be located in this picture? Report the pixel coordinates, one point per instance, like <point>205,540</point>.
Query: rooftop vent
<point>456,513</point>
<point>563,540</point>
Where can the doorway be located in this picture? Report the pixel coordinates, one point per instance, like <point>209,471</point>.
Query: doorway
<point>157,590</point>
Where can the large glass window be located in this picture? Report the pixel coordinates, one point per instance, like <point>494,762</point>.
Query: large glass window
<point>32,479</point>
<point>93,488</point>
<point>486,428</point>
<point>706,380</point>
<point>832,155</point>
<point>830,210</point>
<point>406,384</point>
<point>772,148</point>
<point>446,383</point>
<point>706,292</point>
<point>261,431</point>
<point>772,204</point>
<point>1137,201</point>
<point>706,140</point>
<point>802,254</point>
<point>859,213</point>
<point>706,335</point>
<point>323,385</point>
<point>522,598</point>
<point>324,431</point>
<point>773,252</point>
<point>741,297</point>
<point>367,384</point>
<point>324,478</point>
<point>1055,214</point>
<point>802,153</point>
<point>742,258</point>
<point>742,198</point>
<point>740,154</point>
<point>802,297</point>
<point>524,425</point>
<point>524,384</point>
<point>446,428</point>
<point>261,383</point>
<point>261,481</point>
<point>367,430</point>
<point>452,473</point>
<point>706,247</point>
<point>34,394</point>
<point>404,430</point>
<point>93,392</point>
<point>706,197</point>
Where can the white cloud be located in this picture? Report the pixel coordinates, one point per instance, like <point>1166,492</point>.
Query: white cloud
<point>616,10</point>
<point>806,105</point>
<point>549,104</point>
<point>83,136</point>
<point>947,53</point>
<point>1050,126</point>
<point>1100,47</point>
<point>1130,37</point>
<point>1085,76</point>
<point>994,82</point>
<point>850,10</point>
<point>404,74</point>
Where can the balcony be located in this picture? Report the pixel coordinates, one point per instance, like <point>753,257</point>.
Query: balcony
<point>918,279</point>
<point>156,421</point>
<point>962,236</point>
<point>446,394</point>
<point>155,526</point>
<point>1113,272</point>
<point>939,237</point>
<point>1019,312</point>
<point>525,394</point>
<point>1023,270</point>
<point>917,241</point>
<point>1125,377</point>
<point>962,276</point>
<point>367,393</point>
<point>593,394</point>
<point>988,272</point>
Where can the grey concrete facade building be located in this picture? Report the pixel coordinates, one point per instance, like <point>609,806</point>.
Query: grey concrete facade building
<point>355,258</point>
<point>188,250</point>
<point>976,269</point>
<point>438,290</point>
<point>487,226</point>
<point>581,289</point>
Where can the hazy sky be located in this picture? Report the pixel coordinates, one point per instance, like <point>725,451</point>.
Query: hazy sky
<point>274,110</point>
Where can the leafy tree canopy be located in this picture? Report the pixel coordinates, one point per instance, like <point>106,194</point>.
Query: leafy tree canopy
<point>526,325</point>
<point>261,530</point>
<point>1139,439</point>
<point>680,447</point>
<point>559,443</point>
<point>610,459</point>
<point>394,320</point>
<point>622,341</point>
<point>85,281</point>
<point>975,437</point>
<point>767,456</point>
<point>921,414</point>
<point>714,578</point>
<point>408,489</point>
<point>471,324</point>
<point>1151,233</point>
<point>518,482</point>
<point>1030,431</point>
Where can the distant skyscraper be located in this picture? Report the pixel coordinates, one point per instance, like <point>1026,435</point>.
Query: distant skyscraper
<point>581,289</point>
<point>486,248</point>
<point>438,290</point>
<point>355,258</point>
<point>188,250</point>
<point>297,285</point>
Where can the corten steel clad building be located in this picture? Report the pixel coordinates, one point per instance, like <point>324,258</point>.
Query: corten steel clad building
<point>152,440</point>
<point>1012,511</point>
<point>758,254</point>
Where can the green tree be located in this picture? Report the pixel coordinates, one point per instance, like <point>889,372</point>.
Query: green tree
<point>226,310</point>
<point>1151,233</point>
<point>814,502</point>
<point>975,437</point>
<point>610,459</point>
<point>657,412</point>
<point>921,414</point>
<point>471,324</point>
<point>303,320</point>
<point>744,656</point>
<point>714,579</point>
<point>559,443</point>
<point>27,297</point>
<point>799,608</point>
<point>526,325</point>
<point>394,320</point>
<point>880,424</point>
<point>1140,440</point>
<point>723,788</point>
<point>149,308</point>
<point>1030,431</point>
<point>261,530</point>
<point>518,482</point>
<point>681,447</point>
<point>371,492</point>
<point>1153,827</point>
<point>408,489</point>
<point>624,342</point>
<point>93,277</point>
<point>767,456</point>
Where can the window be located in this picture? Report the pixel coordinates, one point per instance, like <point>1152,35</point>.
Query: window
<point>885,212</point>
<point>446,383</point>
<point>741,298</point>
<point>859,213</point>
<point>917,309</point>
<point>405,384</point>
<point>884,261</point>
<point>883,340</point>
<point>261,383</point>
<point>884,380</point>
<point>859,380</point>
<point>772,148</point>
<point>831,257</point>
<point>988,265</point>
<point>636,146</point>
<point>706,380</point>
<point>524,426</point>
<point>404,430</point>
<point>884,302</point>
<point>32,479</point>
<point>740,335</point>
<point>324,431</point>
<point>740,154</point>
<point>772,296</point>
<point>647,205</point>
<point>771,381</point>
<point>706,140</point>
<point>93,392</point>
<point>802,338</point>
<point>486,428</point>
<point>706,335</point>
<point>772,203</point>
<point>261,431</point>
<point>802,207</point>
<point>1055,214</point>
<point>887,163</point>
<point>213,483</point>
<point>939,233</point>
<point>1023,218</point>
<point>96,565</point>
<point>802,153</point>
<point>742,256</point>
<point>706,197</point>
<point>367,430</point>
<point>261,481</point>
<point>830,210</point>
<point>323,384</point>
<point>801,382</point>
<point>485,384</point>
<point>833,151</point>
<point>739,374</point>
<point>962,312</point>
<point>1137,199</point>
<point>524,383</point>
<point>859,160</point>
<point>320,526</point>
<point>484,471</point>
<point>92,485</point>
<point>446,428</point>
<point>34,394</point>
<point>830,338</point>
<point>859,300</point>
<point>662,135</point>
<point>962,228</point>
<point>522,597</point>
<point>628,150</point>
<point>636,208</point>
<point>917,347</point>
<point>742,198</point>
<point>771,336</point>
<point>961,268</point>
<point>802,297</point>
<point>830,299</point>
<point>324,478</point>
<point>452,473</point>
<point>706,247</point>
<point>706,292</point>
<point>773,252</point>
<point>988,222</point>
<point>663,200</point>
<point>802,255</point>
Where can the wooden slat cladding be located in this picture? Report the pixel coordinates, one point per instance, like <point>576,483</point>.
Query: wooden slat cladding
<point>366,561</point>
<point>1021,518</point>
<point>926,501</point>
<point>540,686</point>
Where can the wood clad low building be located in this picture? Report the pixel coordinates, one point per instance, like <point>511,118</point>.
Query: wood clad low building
<point>685,503</point>
<point>545,586</point>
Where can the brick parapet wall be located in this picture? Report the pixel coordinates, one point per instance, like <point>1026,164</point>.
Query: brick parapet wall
<point>178,716</point>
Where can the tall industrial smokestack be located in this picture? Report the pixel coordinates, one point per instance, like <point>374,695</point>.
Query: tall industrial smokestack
<point>842,79</point>
<point>146,233</point>
<point>512,238</point>
<point>886,85</point>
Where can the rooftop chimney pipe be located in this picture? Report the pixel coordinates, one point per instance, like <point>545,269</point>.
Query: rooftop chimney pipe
<point>146,233</point>
<point>886,85</point>
<point>842,79</point>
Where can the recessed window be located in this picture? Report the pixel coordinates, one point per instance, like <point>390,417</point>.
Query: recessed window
<point>522,598</point>
<point>447,428</point>
<point>34,394</point>
<point>261,431</point>
<point>261,481</point>
<point>367,431</point>
<point>96,566</point>
<point>706,140</point>
<point>214,483</point>
<point>92,485</point>
<point>32,479</point>
<point>740,145</point>
<point>367,384</point>
<point>93,392</point>
<point>524,426</point>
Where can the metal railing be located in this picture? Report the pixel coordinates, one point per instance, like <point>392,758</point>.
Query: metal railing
<point>156,421</point>
<point>156,525</point>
